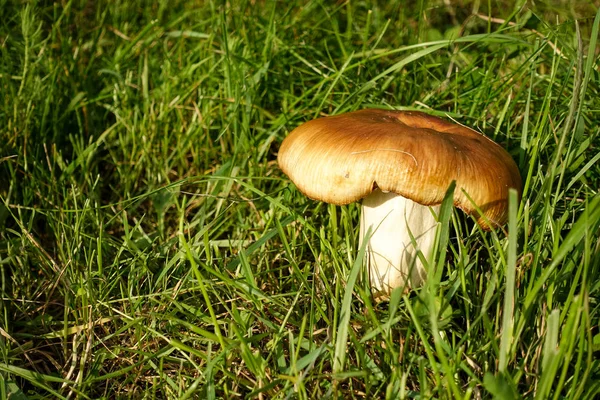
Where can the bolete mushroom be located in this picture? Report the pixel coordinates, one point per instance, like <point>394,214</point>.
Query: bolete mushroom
<point>400,164</point>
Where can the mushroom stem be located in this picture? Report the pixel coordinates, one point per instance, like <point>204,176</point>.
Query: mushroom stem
<point>392,258</point>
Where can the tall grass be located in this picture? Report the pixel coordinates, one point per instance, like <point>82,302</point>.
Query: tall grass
<point>151,248</point>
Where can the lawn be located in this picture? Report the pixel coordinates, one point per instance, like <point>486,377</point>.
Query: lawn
<point>150,246</point>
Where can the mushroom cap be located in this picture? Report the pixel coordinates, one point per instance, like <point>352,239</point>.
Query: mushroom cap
<point>343,158</point>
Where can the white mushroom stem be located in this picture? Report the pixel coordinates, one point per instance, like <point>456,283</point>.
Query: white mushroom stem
<point>392,257</point>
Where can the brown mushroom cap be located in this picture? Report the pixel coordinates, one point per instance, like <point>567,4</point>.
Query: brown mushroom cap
<point>343,158</point>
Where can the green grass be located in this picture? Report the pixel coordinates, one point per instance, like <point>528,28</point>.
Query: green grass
<point>151,248</point>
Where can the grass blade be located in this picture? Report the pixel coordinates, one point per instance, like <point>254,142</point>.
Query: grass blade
<point>341,341</point>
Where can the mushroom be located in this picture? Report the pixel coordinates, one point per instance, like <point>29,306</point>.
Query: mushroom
<point>400,163</point>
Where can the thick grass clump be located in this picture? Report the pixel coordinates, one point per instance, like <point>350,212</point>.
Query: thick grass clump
<point>151,248</point>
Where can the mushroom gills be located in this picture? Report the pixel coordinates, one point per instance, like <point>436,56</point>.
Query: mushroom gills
<point>392,258</point>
